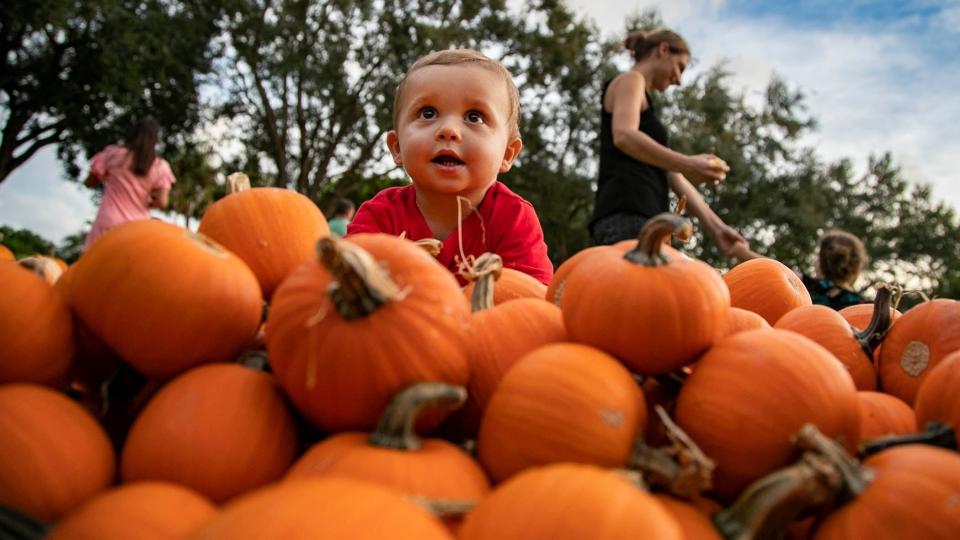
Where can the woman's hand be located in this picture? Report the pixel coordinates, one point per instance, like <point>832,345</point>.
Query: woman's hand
<point>705,168</point>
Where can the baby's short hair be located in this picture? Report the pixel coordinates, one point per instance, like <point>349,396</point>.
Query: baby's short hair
<point>452,57</point>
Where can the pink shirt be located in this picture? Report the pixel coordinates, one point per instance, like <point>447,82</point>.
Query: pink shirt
<point>126,196</point>
<point>504,224</point>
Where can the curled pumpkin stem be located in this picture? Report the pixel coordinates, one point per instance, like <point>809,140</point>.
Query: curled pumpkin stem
<point>237,182</point>
<point>655,231</point>
<point>935,434</point>
<point>360,285</point>
<point>396,427</point>
<point>443,508</point>
<point>484,272</point>
<point>430,245</point>
<point>872,336</point>
<point>681,467</point>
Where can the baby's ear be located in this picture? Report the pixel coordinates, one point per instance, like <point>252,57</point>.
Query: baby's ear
<point>510,154</point>
<point>393,144</point>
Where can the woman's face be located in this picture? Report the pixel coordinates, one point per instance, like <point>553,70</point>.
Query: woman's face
<point>671,67</point>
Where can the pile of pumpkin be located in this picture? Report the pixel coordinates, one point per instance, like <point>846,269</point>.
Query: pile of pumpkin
<point>641,394</point>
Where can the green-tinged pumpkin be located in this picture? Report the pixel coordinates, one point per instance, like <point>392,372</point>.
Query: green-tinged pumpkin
<point>220,430</point>
<point>53,455</point>
<point>192,301</point>
<point>343,342</point>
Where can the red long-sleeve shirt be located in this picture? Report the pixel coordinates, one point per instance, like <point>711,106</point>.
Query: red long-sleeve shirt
<point>505,224</point>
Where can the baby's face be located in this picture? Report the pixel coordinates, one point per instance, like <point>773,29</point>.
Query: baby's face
<point>452,134</point>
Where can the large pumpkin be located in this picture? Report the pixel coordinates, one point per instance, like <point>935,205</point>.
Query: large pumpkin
<point>766,287</point>
<point>753,391</point>
<point>221,430</point>
<point>916,343</point>
<point>561,402</point>
<point>273,230</point>
<point>343,342</point>
<point>883,415</point>
<point>53,454</point>
<point>654,310</point>
<point>141,510</point>
<point>36,331</point>
<point>328,507</point>
<point>569,502</point>
<point>164,298</point>
<point>938,398</point>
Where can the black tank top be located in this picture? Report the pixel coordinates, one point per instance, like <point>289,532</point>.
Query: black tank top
<point>626,184</point>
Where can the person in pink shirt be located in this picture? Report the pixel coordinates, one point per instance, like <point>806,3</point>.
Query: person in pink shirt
<point>455,119</point>
<point>134,179</point>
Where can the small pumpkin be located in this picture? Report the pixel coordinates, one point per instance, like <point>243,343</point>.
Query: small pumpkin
<point>273,230</point>
<point>739,319</point>
<point>938,398</point>
<point>559,280</point>
<point>694,523</point>
<point>236,434</point>
<point>653,310</point>
<point>6,254</point>
<point>54,454</point>
<point>919,340</point>
<point>766,287</point>
<point>883,415</point>
<point>561,402</point>
<point>142,510</point>
<point>511,285</point>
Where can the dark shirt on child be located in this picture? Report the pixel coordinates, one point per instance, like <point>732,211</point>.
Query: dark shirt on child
<point>826,293</point>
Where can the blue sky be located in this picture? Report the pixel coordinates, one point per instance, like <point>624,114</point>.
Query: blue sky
<point>878,76</point>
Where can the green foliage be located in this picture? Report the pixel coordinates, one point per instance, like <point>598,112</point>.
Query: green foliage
<point>24,243</point>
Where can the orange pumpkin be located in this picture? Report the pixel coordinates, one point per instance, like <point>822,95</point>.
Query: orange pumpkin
<point>392,455</point>
<point>913,495</point>
<point>328,507</point>
<point>559,280</point>
<point>739,319</point>
<point>561,402</point>
<point>752,392</point>
<point>36,331</point>
<point>938,398</point>
<point>142,510</point>
<point>766,287</point>
<point>192,301</point>
<point>653,310</point>
<point>859,315</point>
<point>342,343</point>
<point>569,502</point>
<point>221,430</point>
<point>694,523</point>
<point>511,285</point>
<point>882,415</point>
<point>918,341</point>
<point>6,254</point>
<point>54,455</point>
<point>273,230</point>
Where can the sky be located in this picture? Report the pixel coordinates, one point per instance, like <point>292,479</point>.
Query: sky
<point>879,76</point>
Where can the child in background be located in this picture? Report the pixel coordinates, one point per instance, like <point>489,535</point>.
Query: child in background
<point>455,119</point>
<point>343,210</point>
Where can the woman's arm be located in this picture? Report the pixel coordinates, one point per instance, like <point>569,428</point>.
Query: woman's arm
<point>731,243</point>
<point>627,97</point>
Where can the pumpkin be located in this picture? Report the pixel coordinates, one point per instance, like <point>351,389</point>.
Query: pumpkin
<point>192,301</point>
<point>220,430</point>
<point>393,455</point>
<point>853,348</point>
<point>559,281</point>
<point>752,391</point>
<point>919,340</point>
<point>859,316</point>
<point>6,254</point>
<point>739,319</point>
<point>142,510</point>
<point>512,284</point>
<point>694,523</point>
<point>343,342</point>
<point>54,455</point>
<point>273,230</point>
<point>882,415</point>
<point>766,287</point>
<point>561,402</point>
<point>653,310</point>
<point>569,501</point>
<point>328,507</point>
<point>938,398</point>
<point>36,331</point>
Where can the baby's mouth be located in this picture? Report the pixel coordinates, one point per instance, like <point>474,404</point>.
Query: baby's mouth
<point>447,161</point>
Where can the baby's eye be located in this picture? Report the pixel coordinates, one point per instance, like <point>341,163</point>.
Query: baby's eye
<point>474,117</point>
<point>427,113</point>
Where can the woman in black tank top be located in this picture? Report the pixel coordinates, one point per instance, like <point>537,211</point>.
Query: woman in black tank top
<point>637,166</point>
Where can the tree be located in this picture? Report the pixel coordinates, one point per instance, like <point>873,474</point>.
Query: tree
<point>24,242</point>
<point>74,73</point>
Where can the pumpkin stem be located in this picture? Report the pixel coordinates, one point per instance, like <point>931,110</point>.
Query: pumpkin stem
<point>652,236</point>
<point>13,524</point>
<point>396,427</point>
<point>872,336</point>
<point>486,270</point>
<point>430,245</point>
<point>237,182</point>
<point>443,508</point>
<point>681,467</point>
<point>360,284</point>
<point>936,434</point>
<point>823,476</point>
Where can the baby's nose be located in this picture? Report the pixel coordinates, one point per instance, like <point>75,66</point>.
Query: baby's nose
<point>448,130</point>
